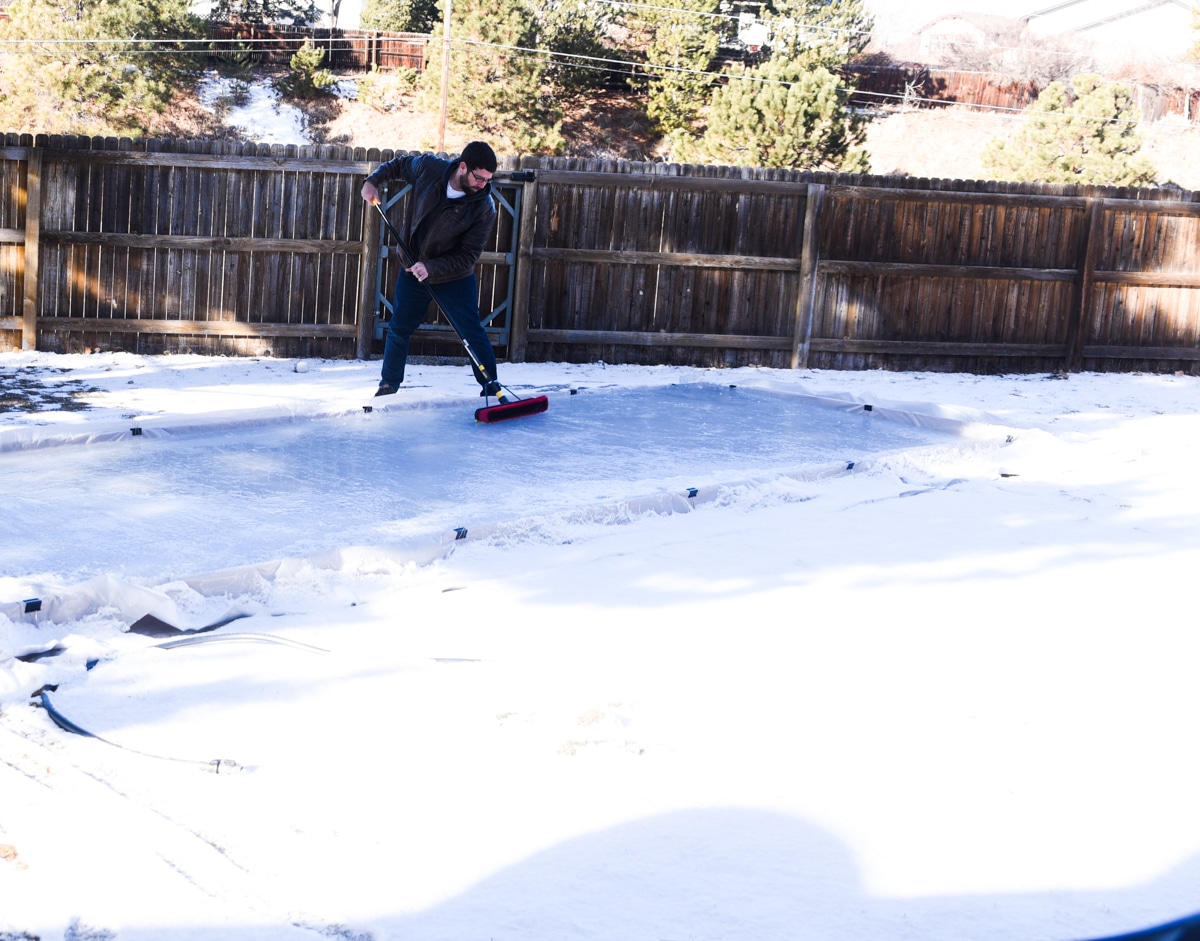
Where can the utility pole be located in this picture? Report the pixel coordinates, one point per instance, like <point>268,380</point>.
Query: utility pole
<point>445,77</point>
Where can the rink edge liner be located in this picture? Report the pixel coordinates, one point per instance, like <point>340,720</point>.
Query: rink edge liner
<point>955,420</point>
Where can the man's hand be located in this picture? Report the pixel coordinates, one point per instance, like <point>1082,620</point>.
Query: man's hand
<point>419,271</point>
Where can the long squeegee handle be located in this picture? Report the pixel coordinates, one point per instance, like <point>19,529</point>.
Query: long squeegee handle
<point>405,254</point>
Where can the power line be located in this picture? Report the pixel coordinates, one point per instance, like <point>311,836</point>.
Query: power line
<point>30,41</point>
<point>999,109</point>
<point>1156,130</point>
<point>531,53</point>
<point>254,42</point>
<point>627,67</point>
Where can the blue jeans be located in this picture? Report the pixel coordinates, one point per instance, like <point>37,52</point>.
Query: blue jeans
<point>459,301</point>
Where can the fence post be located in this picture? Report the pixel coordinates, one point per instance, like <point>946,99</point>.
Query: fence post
<point>33,236</point>
<point>518,328</point>
<point>366,287</point>
<point>1084,283</point>
<point>807,296</point>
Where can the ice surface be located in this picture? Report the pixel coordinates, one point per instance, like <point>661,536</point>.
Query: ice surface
<point>177,506</point>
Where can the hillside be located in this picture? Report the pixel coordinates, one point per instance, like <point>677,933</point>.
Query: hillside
<point>944,142</point>
<point>948,143</point>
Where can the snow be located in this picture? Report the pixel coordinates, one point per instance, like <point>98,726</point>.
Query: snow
<point>943,694</point>
<point>256,108</point>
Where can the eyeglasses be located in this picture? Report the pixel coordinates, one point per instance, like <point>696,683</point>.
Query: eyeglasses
<point>479,180</point>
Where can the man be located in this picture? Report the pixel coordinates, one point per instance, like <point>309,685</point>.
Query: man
<point>450,216</point>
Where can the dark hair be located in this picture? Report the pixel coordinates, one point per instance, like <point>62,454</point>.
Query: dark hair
<point>479,156</point>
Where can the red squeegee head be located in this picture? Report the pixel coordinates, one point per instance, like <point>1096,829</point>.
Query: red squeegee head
<point>517,409</point>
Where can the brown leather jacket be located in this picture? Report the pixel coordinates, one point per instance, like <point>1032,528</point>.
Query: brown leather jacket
<point>454,232</point>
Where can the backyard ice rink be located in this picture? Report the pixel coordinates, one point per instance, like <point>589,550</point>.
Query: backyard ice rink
<point>944,694</point>
<point>196,500</point>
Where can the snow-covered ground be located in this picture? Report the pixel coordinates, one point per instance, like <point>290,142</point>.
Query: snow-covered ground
<point>255,108</point>
<point>259,110</point>
<point>944,694</point>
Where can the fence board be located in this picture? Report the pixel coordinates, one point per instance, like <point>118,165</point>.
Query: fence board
<point>34,180</point>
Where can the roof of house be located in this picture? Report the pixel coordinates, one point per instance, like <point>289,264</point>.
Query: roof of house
<point>1162,28</point>
<point>984,22</point>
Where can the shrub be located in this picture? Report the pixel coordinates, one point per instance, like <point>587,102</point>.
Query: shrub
<point>307,78</point>
<point>1086,134</point>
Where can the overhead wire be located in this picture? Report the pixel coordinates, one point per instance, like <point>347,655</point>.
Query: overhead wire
<point>151,46</point>
<point>533,53</point>
<point>631,4</point>
<point>624,67</point>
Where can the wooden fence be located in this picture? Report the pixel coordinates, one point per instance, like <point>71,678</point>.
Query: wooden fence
<point>892,85</point>
<point>902,85</point>
<point>715,266</point>
<point>344,48</point>
<point>212,247</point>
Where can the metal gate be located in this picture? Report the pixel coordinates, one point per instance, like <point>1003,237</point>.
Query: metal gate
<point>497,268</point>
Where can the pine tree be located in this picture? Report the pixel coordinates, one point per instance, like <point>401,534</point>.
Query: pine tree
<point>793,110</point>
<point>576,31</point>
<point>681,39</point>
<point>90,80</point>
<point>781,114</point>
<point>497,86</point>
<point>416,16</point>
<point>819,32</point>
<point>1088,137</point>
<point>286,12</point>
<point>307,78</point>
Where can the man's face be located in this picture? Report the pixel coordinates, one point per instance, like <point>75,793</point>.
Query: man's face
<point>472,181</point>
